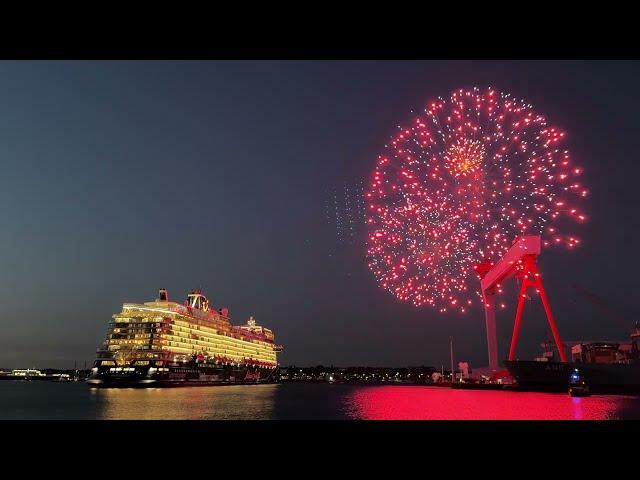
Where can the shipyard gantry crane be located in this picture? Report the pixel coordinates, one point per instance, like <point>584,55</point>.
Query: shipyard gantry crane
<point>519,261</point>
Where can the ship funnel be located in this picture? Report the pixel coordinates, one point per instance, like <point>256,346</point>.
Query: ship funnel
<point>164,295</point>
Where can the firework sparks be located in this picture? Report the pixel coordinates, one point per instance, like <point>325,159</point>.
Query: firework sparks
<point>457,186</point>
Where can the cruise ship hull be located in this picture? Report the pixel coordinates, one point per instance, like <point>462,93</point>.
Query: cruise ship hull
<point>179,377</point>
<point>554,376</point>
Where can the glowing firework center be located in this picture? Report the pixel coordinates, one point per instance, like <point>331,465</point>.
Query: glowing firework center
<point>464,157</point>
<point>456,186</point>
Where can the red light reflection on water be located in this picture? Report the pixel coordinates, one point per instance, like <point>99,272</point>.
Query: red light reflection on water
<point>435,403</point>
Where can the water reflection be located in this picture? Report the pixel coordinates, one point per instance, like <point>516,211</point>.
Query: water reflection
<point>432,403</point>
<point>51,400</point>
<point>247,402</point>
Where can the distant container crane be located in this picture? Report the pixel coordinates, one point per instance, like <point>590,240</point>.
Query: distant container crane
<point>603,305</point>
<point>607,308</point>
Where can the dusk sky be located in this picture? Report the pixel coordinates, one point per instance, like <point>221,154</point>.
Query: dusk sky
<point>118,178</point>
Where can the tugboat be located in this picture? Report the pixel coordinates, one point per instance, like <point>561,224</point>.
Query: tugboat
<point>577,386</point>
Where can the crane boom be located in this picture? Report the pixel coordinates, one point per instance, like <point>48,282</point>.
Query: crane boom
<point>603,305</point>
<point>507,265</point>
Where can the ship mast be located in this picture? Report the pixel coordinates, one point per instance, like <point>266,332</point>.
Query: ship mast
<point>451,352</point>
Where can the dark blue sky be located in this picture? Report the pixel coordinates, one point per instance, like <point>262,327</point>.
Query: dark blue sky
<point>119,178</point>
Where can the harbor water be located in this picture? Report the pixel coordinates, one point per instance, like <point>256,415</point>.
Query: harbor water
<point>290,401</point>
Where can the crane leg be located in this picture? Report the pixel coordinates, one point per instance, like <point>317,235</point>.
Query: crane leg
<point>516,326</point>
<point>492,340</point>
<point>552,323</point>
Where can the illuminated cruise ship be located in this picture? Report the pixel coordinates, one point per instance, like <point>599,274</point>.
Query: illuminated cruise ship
<point>165,343</point>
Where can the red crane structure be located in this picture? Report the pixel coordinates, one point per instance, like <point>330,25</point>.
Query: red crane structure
<point>519,261</point>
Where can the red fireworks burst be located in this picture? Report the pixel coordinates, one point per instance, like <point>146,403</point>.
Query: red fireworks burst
<point>457,186</point>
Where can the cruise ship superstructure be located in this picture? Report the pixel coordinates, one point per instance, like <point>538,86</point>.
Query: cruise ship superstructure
<point>165,343</point>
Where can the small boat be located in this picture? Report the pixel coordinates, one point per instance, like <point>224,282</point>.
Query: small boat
<point>577,386</point>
